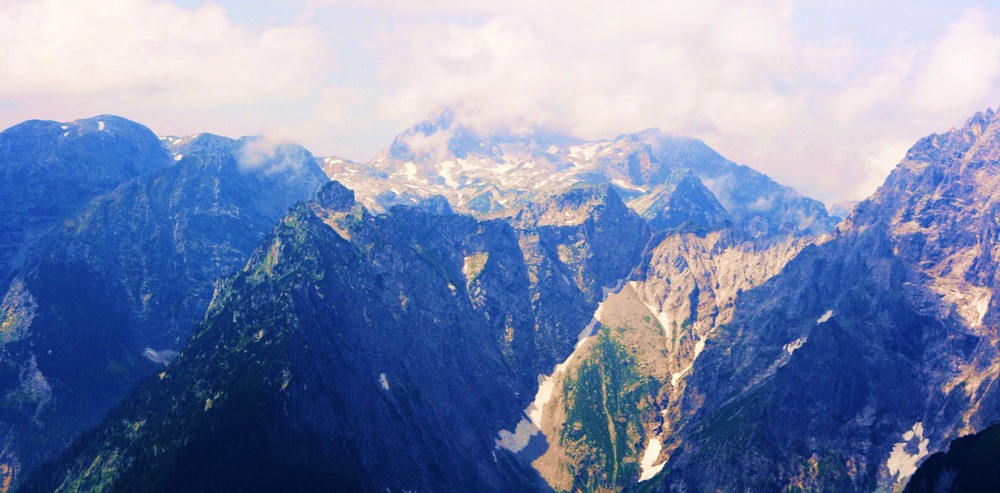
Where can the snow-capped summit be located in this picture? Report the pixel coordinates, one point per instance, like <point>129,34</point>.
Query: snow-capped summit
<point>497,174</point>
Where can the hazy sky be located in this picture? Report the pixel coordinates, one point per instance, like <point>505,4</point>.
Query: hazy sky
<point>825,96</point>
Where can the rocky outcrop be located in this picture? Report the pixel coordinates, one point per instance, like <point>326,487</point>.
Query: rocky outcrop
<point>969,465</point>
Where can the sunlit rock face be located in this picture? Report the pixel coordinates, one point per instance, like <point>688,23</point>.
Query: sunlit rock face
<point>870,350</point>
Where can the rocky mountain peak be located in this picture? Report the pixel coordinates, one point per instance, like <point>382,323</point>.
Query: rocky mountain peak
<point>573,206</point>
<point>949,175</point>
<point>682,203</point>
<point>965,143</point>
<point>335,197</point>
<point>50,169</point>
<point>198,144</point>
<point>125,147</point>
<point>446,135</point>
<point>887,330</point>
<point>437,138</point>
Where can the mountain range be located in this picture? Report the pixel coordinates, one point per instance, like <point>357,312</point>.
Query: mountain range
<point>473,312</point>
<point>676,183</point>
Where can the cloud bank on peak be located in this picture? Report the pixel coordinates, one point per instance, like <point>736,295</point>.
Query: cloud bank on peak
<point>823,96</point>
<point>828,116</point>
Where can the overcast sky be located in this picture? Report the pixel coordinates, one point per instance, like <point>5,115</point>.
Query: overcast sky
<point>825,96</point>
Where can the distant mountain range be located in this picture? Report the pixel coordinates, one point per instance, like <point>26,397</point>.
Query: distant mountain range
<point>489,313</point>
<point>496,175</point>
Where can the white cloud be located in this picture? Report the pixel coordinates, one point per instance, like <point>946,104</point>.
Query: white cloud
<point>882,84</point>
<point>813,114</point>
<point>149,52</point>
<point>335,113</point>
<point>878,159</point>
<point>597,69</point>
<point>813,105</point>
<point>962,68</point>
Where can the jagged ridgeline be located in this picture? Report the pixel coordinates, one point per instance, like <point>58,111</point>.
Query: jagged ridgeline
<point>122,237</point>
<point>868,351</point>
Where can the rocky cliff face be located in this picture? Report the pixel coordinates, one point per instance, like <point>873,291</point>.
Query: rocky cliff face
<point>109,295</point>
<point>868,351</point>
<point>606,411</point>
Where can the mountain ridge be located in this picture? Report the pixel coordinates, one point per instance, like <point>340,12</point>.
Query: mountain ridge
<point>107,296</point>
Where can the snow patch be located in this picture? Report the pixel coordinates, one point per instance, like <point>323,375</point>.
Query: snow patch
<point>628,186</point>
<point>502,168</point>
<point>516,441</point>
<point>971,302</point>
<point>675,378</point>
<point>981,304</point>
<point>660,316</point>
<point>465,165</point>
<point>531,424</point>
<point>649,456</point>
<point>161,357</point>
<point>445,172</point>
<point>902,464</point>
<point>384,381</point>
<point>587,151</point>
<point>411,170</point>
<point>792,346</point>
<point>591,327</point>
<point>826,316</point>
<point>546,384</point>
